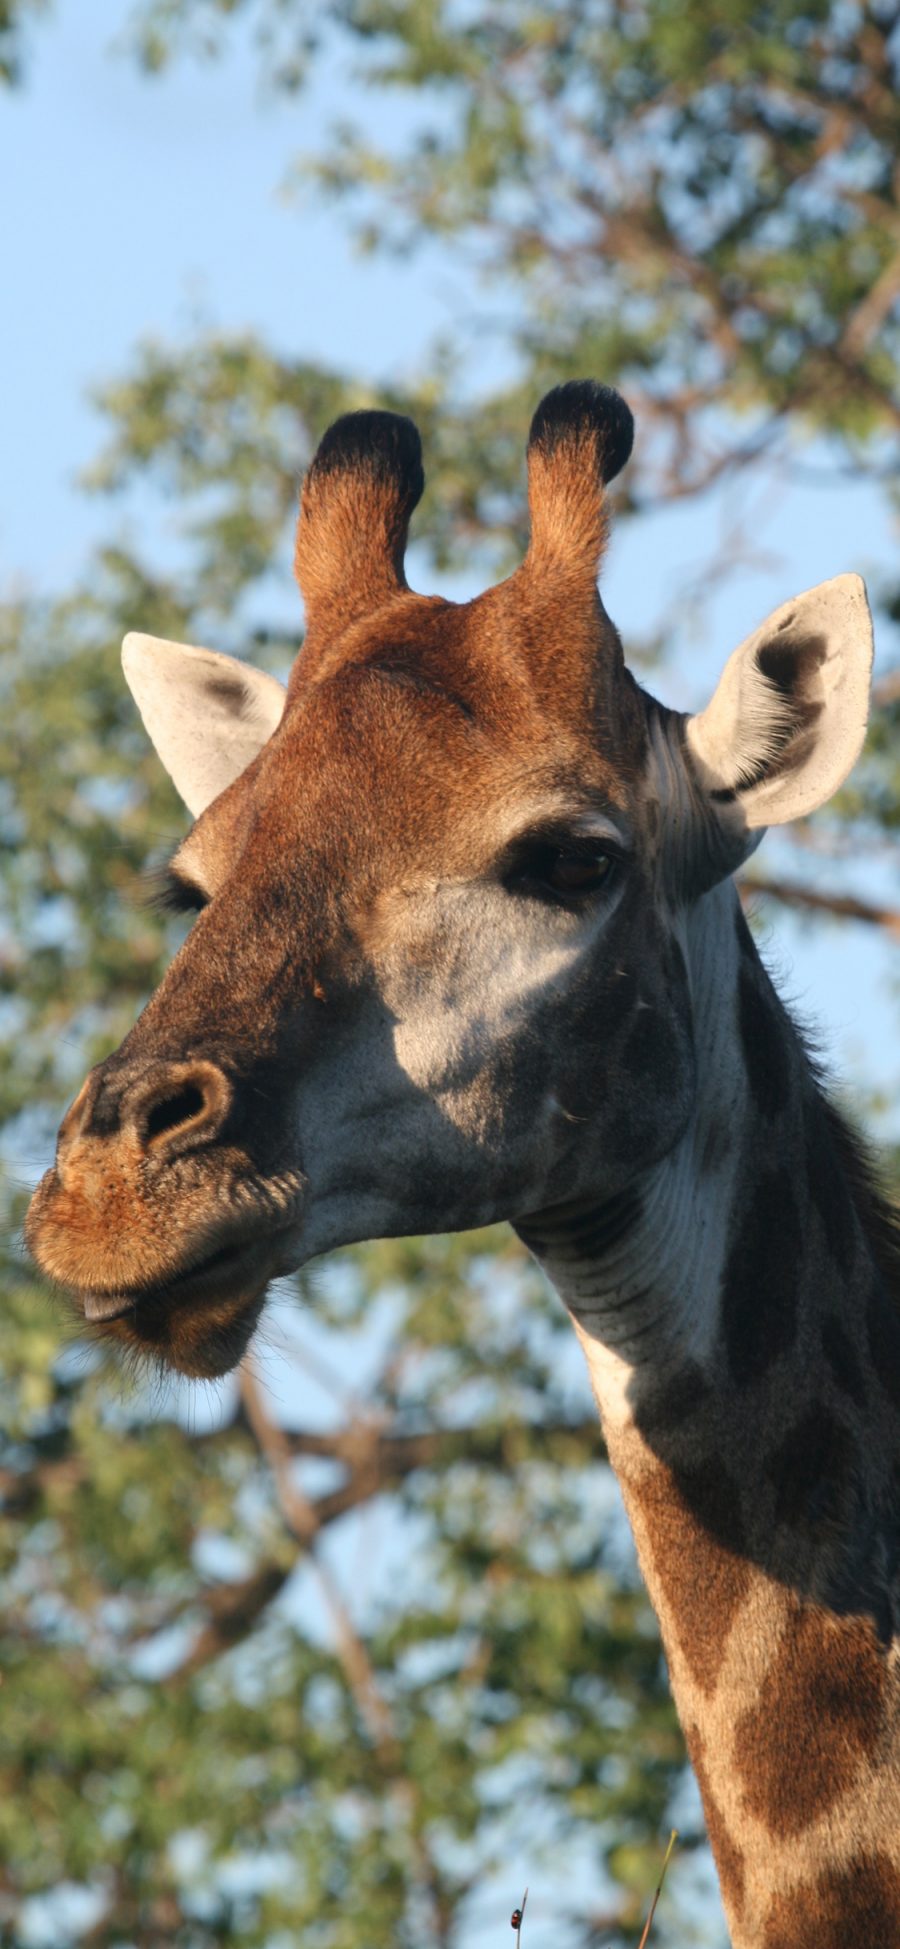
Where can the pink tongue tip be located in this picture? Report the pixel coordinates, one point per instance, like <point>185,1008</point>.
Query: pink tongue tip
<point>105,1306</point>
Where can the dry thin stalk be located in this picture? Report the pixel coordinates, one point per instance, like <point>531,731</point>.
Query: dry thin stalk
<point>662,1875</point>
<point>515,1920</point>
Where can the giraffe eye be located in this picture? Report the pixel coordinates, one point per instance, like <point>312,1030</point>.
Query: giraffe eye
<point>171,893</point>
<point>564,873</point>
<point>572,873</point>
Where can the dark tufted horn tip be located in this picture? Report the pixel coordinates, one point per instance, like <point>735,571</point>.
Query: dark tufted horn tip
<point>358,495</point>
<point>384,446</point>
<point>583,409</point>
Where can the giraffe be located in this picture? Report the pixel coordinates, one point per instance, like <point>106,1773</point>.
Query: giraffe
<point>468,947</point>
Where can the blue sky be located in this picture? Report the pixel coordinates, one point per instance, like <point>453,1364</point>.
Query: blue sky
<point>136,209</point>
<point>149,209</point>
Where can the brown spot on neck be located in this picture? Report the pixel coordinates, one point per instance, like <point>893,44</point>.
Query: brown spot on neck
<point>670,1401</point>
<point>855,1907</point>
<point>762,1279</point>
<point>843,1361</point>
<point>883,1322</point>
<point>810,1469</point>
<point>819,1718</point>
<point>689,1525</point>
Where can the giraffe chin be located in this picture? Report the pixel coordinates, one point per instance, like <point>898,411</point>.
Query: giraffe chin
<point>198,1325</point>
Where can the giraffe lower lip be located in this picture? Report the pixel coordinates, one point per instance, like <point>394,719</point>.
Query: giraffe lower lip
<point>101,1307</point>
<point>98,1307</point>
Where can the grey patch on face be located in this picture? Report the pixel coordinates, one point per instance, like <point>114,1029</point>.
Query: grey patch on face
<point>647,1046</point>
<point>717,1145</point>
<point>744,936</point>
<point>676,968</point>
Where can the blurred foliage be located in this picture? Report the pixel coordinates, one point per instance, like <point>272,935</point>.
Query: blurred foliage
<point>182,1737</point>
<point>353,1674</point>
<point>700,199</point>
<point>15,16</point>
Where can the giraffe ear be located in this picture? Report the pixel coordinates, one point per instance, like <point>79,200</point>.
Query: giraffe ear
<point>207,715</point>
<point>788,719</point>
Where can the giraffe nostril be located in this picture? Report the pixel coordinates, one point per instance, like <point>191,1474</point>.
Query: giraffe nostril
<point>169,1114</point>
<point>178,1106</point>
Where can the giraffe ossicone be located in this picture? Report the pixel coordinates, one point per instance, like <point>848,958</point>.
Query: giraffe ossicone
<point>468,948</point>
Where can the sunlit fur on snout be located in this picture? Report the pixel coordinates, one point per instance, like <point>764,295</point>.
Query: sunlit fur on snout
<point>166,1238</point>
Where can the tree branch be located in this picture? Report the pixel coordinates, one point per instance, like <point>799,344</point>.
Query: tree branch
<point>843,906</point>
<point>303,1519</point>
<point>233,1610</point>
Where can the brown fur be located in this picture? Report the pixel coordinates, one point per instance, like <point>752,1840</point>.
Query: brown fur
<point>704,1581</point>
<point>826,1685</point>
<point>843,1909</point>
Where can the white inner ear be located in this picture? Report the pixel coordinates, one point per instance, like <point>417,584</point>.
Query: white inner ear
<point>208,715</point>
<point>787,721</point>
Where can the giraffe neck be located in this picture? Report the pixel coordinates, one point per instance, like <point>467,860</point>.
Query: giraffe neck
<point>744,1350</point>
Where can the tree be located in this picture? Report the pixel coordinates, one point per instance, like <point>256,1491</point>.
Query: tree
<point>14,19</point>
<point>209,1736</point>
<point>702,199</point>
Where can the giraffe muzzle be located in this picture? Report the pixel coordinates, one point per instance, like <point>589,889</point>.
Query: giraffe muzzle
<point>196,1313</point>
<point>161,1229</point>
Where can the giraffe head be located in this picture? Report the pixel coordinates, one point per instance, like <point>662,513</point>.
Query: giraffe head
<point>438,974</point>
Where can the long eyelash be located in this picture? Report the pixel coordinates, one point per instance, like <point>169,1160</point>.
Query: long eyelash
<point>167,893</point>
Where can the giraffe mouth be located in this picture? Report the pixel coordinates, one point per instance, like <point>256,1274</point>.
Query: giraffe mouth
<point>178,1282</point>
<point>200,1320</point>
<point>102,1304</point>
